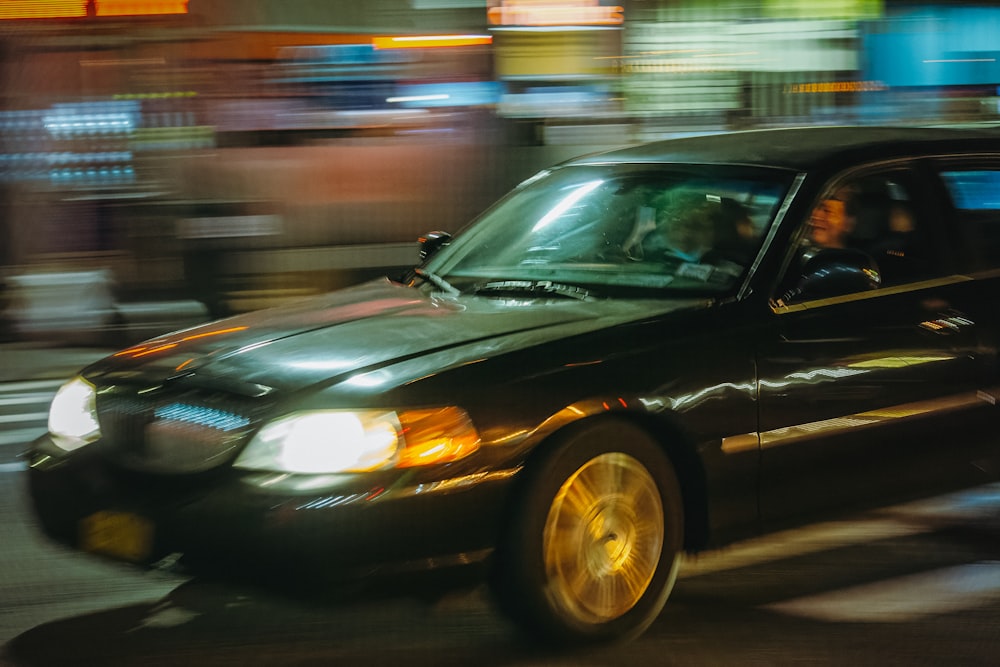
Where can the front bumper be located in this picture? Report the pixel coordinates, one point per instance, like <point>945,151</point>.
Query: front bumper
<point>334,527</point>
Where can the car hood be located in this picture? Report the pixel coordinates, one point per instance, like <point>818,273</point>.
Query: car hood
<point>321,339</point>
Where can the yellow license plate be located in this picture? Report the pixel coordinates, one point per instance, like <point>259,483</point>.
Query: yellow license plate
<point>118,534</point>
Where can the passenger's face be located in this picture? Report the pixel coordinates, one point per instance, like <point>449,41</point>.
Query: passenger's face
<point>828,224</point>
<point>689,233</point>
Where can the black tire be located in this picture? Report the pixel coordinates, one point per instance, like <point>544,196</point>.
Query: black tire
<point>610,493</point>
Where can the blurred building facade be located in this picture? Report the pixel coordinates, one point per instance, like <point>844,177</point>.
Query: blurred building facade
<point>207,148</point>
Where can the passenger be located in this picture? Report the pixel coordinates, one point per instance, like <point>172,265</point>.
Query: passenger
<point>686,228</point>
<point>888,234</point>
<point>676,226</point>
<point>873,210</point>
<point>644,224</point>
<point>735,238</point>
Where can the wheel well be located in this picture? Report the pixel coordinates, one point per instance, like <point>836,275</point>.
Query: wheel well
<point>690,472</point>
<point>690,475</point>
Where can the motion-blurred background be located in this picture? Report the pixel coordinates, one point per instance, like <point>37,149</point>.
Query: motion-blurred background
<point>167,161</point>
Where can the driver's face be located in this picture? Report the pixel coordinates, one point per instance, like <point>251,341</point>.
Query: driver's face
<point>829,224</point>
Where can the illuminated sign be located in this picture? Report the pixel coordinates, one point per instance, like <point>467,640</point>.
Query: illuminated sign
<point>140,7</point>
<point>553,13</point>
<point>823,9</point>
<point>65,9</point>
<point>698,61</point>
<point>429,41</point>
<point>835,87</point>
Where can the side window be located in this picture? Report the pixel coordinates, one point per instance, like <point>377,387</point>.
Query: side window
<point>866,230</point>
<point>975,194</point>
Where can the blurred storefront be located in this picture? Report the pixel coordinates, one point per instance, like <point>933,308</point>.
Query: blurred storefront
<point>558,64</point>
<point>937,62</point>
<point>217,150</point>
<point>737,64</point>
<point>90,104</point>
<point>171,147</point>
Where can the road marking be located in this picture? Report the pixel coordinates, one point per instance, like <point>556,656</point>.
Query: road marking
<point>21,436</point>
<point>798,542</point>
<point>9,387</point>
<point>903,599</point>
<point>903,520</point>
<point>28,399</point>
<point>24,417</point>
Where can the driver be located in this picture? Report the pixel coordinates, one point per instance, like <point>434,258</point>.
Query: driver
<point>832,220</point>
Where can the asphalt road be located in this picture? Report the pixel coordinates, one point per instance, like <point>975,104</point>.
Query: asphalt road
<point>916,584</point>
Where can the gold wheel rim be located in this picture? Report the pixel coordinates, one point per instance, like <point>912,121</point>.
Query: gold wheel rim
<point>603,538</point>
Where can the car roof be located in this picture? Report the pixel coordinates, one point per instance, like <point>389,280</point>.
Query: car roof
<point>804,148</point>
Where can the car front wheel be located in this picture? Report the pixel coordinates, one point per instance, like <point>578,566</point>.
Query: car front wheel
<point>592,550</point>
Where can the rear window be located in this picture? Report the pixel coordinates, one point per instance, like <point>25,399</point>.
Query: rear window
<point>975,193</point>
<point>974,190</point>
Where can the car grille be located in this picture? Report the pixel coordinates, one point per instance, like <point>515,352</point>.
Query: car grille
<point>159,430</point>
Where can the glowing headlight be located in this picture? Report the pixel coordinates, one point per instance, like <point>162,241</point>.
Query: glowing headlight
<point>73,415</point>
<point>332,441</point>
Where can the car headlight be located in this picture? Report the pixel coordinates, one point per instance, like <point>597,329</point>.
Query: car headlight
<point>333,441</point>
<point>73,415</point>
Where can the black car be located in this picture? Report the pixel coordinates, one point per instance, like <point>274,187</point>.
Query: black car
<point>633,355</point>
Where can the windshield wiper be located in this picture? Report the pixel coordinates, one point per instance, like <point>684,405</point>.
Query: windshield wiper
<point>437,281</point>
<point>535,287</point>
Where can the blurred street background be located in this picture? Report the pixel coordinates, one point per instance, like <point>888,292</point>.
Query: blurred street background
<point>163,162</point>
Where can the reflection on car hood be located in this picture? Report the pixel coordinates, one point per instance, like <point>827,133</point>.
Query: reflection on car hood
<point>363,327</point>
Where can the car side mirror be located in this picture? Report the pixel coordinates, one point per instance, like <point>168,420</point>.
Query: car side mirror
<point>431,242</point>
<point>835,272</point>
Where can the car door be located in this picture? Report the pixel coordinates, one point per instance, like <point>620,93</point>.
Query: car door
<point>970,189</point>
<point>875,394</point>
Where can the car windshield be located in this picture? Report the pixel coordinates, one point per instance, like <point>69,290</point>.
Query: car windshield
<point>598,230</point>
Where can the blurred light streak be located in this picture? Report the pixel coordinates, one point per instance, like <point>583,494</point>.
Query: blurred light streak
<point>417,98</point>
<point>217,332</point>
<point>154,350</point>
<point>119,62</point>
<point>142,351</point>
<point>32,9</point>
<point>835,87</point>
<point>154,96</point>
<point>552,28</point>
<point>430,41</point>
<point>58,9</point>
<point>646,54</point>
<point>141,7</point>
<point>962,60</point>
<point>726,55</point>
<point>555,13</point>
